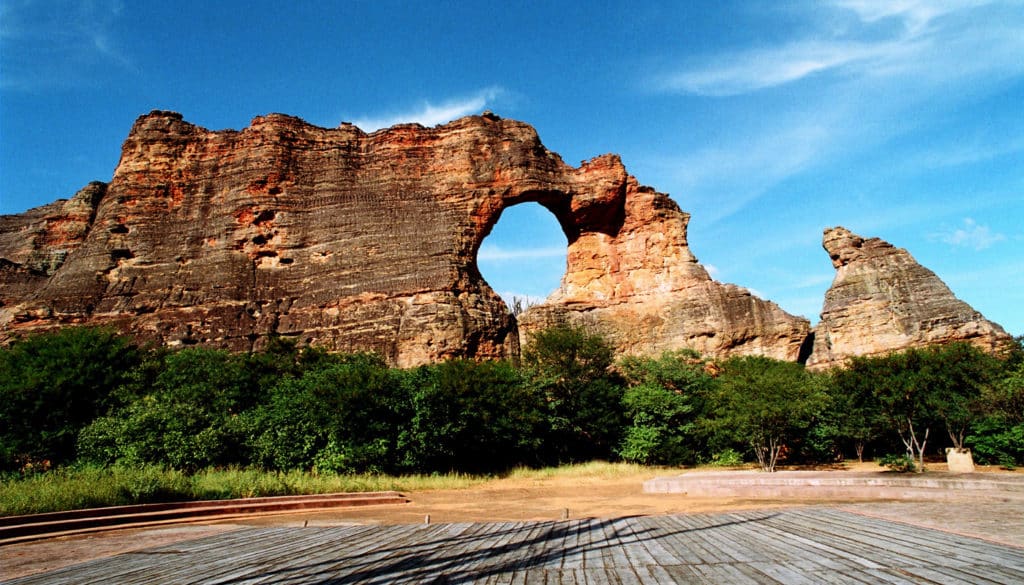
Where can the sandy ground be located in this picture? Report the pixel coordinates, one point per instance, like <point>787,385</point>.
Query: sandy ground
<point>518,499</point>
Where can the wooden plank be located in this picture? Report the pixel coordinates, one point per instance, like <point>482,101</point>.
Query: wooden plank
<point>964,549</point>
<point>953,575</point>
<point>689,549</point>
<point>811,545</point>
<point>686,574</point>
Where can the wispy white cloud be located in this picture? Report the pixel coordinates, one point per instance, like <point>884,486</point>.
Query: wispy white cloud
<point>65,44</point>
<point>491,253</point>
<point>972,235</point>
<point>915,14</point>
<point>759,69</point>
<point>854,87</point>
<point>740,172</point>
<point>430,114</point>
<point>917,44</point>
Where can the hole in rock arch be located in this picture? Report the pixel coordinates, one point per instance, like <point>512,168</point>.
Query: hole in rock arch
<point>524,255</point>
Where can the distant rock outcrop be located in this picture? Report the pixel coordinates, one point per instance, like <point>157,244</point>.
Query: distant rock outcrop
<point>883,301</point>
<point>354,241</point>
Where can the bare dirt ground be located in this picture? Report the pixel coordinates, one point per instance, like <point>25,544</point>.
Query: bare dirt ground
<point>522,499</point>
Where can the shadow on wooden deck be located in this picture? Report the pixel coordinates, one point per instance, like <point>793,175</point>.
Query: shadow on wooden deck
<point>809,545</point>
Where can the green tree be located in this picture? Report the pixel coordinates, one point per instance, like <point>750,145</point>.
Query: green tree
<point>854,406</point>
<point>765,403</point>
<point>918,389</point>
<point>52,385</point>
<point>956,376</point>
<point>571,367</point>
<point>902,398</point>
<point>346,415</point>
<point>188,418</point>
<point>664,399</point>
<point>473,416</point>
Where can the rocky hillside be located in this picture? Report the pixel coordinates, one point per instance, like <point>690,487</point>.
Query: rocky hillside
<point>354,241</point>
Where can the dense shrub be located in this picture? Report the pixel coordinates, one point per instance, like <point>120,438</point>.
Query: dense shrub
<point>665,399</point>
<point>572,368</point>
<point>92,396</point>
<point>52,385</point>
<point>186,420</point>
<point>997,437</point>
<point>346,415</point>
<point>473,416</point>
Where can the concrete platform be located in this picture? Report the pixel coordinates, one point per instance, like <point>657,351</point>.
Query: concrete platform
<point>842,485</point>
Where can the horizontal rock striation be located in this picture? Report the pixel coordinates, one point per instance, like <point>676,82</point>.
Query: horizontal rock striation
<point>882,301</point>
<point>354,241</point>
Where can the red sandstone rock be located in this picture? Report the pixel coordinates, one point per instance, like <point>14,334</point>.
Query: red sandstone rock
<point>355,241</point>
<point>636,281</point>
<point>882,301</point>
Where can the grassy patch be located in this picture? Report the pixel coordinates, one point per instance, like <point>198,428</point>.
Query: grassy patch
<point>588,470</point>
<point>95,487</point>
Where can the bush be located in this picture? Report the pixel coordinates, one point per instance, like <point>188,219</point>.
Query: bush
<point>665,399</point>
<point>54,384</point>
<point>995,441</point>
<point>473,416</point>
<point>188,419</point>
<point>727,458</point>
<point>571,368</point>
<point>344,416</point>
<point>898,463</point>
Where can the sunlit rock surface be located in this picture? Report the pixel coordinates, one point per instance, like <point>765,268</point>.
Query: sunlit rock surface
<point>882,301</point>
<point>354,241</point>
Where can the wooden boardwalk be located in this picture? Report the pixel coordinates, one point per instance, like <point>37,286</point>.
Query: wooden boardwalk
<point>807,545</point>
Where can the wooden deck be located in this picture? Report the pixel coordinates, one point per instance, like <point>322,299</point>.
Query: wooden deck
<point>808,545</point>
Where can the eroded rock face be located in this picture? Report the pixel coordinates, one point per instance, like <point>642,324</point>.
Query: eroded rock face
<point>355,241</point>
<point>637,282</point>
<point>882,301</point>
<point>35,244</point>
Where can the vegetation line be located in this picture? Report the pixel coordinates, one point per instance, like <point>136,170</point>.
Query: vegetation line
<point>93,419</point>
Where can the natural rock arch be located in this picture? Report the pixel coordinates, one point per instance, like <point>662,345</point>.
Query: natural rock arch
<point>356,241</point>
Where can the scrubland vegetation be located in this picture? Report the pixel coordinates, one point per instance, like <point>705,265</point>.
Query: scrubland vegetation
<point>89,418</point>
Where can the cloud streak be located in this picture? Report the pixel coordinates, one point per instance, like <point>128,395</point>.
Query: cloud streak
<point>63,45</point>
<point>844,89</point>
<point>921,38</point>
<point>756,70</point>
<point>490,253</point>
<point>430,114</point>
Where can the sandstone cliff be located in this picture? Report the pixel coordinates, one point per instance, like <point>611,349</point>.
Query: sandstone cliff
<point>637,282</point>
<point>882,300</point>
<point>355,241</point>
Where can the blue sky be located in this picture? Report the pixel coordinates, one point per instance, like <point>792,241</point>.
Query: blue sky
<point>767,121</point>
